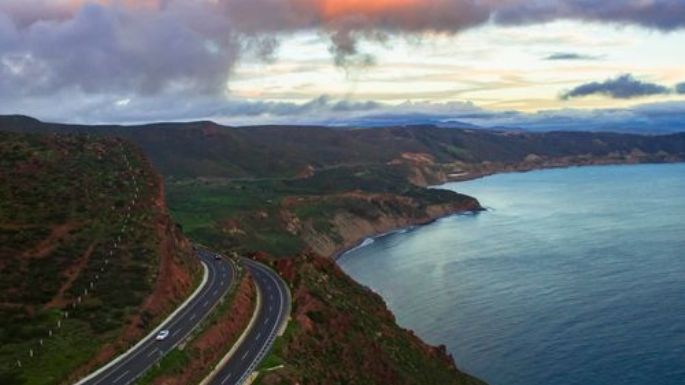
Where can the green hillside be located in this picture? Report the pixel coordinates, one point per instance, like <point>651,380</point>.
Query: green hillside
<point>79,252</point>
<point>205,149</point>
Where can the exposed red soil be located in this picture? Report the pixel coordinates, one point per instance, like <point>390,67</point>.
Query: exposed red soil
<point>71,274</point>
<point>174,281</point>
<point>45,247</point>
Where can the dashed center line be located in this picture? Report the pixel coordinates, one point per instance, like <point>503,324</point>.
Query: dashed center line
<point>120,377</point>
<point>226,379</point>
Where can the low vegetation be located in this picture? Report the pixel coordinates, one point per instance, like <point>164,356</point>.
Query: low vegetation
<point>209,150</point>
<point>80,252</point>
<point>282,216</point>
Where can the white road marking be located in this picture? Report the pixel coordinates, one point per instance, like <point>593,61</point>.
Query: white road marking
<point>151,353</point>
<point>120,377</point>
<point>226,379</point>
<point>192,317</point>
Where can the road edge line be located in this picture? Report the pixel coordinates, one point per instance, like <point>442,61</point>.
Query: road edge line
<point>188,336</point>
<point>205,278</point>
<point>239,341</point>
<point>289,318</point>
<point>250,377</point>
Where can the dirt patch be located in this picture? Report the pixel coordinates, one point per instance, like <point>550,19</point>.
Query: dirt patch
<point>71,274</point>
<point>45,247</point>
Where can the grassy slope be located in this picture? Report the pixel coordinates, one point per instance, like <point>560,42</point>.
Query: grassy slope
<point>62,207</point>
<point>274,215</point>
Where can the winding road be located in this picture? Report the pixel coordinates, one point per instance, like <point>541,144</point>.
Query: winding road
<point>271,317</point>
<point>134,363</point>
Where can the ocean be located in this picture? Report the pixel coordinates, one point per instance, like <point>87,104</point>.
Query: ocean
<point>573,276</point>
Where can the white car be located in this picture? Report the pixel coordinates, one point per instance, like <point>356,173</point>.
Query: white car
<point>162,335</point>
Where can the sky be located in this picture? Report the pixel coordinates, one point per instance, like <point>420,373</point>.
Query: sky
<point>534,64</point>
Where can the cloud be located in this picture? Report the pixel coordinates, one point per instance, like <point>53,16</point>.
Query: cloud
<point>102,49</point>
<point>665,15</point>
<point>348,21</point>
<point>188,48</point>
<point>680,88</point>
<point>122,108</point>
<point>622,87</point>
<point>570,56</point>
<point>661,117</point>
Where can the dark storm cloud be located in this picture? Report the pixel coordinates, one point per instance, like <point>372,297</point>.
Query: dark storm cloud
<point>622,87</point>
<point>561,56</point>
<point>348,21</point>
<point>102,49</point>
<point>664,15</point>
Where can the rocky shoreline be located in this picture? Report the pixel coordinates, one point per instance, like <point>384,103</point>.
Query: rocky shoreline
<point>482,172</point>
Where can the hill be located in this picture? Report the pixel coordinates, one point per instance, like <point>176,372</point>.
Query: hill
<point>89,257</point>
<point>293,196</point>
<point>205,149</point>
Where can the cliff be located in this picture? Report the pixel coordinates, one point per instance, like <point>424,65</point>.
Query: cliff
<point>382,213</point>
<point>342,333</point>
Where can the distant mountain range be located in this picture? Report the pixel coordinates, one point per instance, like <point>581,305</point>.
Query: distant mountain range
<point>207,149</point>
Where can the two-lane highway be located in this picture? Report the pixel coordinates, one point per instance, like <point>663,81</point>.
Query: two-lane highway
<point>138,360</point>
<point>271,316</point>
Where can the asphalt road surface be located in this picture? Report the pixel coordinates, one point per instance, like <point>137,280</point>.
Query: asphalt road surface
<point>272,314</point>
<point>221,274</point>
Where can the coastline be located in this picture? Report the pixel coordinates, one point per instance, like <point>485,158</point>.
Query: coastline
<point>339,254</point>
<point>495,169</point>
<point>403,257</point>
<point>468,176</point>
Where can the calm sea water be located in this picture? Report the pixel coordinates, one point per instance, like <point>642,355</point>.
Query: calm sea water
<point>574,276</point>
